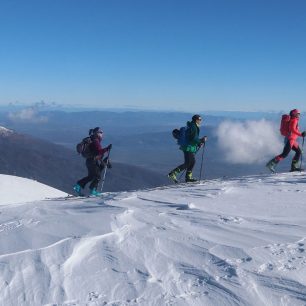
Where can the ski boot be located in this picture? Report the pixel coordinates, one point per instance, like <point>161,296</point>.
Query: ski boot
<point>78,189</point>
<point>189,178</point>
<point>172,175</point>
<point>295,167</point>
<point>95,193</point>
<point>272,164</point>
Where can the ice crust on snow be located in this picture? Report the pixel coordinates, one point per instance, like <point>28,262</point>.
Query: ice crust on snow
<point>221,242</point>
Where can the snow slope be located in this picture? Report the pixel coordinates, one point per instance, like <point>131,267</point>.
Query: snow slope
<point>222,242</point>
<point>20,190</point>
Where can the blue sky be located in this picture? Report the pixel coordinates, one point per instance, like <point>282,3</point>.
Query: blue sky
<point>163,54</point>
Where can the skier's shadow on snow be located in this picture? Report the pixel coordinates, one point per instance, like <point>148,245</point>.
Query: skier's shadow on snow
<point>96,207</point>
<point>178,206</point>
<point>301,180</point>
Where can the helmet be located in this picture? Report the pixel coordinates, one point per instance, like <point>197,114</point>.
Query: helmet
<point>294,112</point>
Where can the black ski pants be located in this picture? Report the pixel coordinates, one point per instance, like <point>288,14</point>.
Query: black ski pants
<point>286,151</point>
<point>94,174</point>
<point>189,162</point>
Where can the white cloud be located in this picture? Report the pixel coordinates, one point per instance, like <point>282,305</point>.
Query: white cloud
<point>29,114</point>
<point>249,142</point>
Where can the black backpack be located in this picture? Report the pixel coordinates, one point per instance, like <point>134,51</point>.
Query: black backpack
<point>83,148</point>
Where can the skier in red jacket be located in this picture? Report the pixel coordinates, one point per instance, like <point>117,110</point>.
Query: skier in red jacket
<point>290,144</point>
<point>94,164</point>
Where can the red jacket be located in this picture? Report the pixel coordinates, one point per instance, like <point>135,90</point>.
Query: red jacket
<point>97,149</point>
<point>294,131</point>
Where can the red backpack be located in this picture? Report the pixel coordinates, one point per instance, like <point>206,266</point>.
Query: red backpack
<point>284,126</point>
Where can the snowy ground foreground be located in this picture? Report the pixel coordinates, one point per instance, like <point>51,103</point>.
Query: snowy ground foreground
<point>221,242</point>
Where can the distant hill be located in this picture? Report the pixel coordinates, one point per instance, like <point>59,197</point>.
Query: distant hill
<point>60,167</point>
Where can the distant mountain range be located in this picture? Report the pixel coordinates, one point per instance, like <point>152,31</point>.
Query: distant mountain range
<point>60,167</point>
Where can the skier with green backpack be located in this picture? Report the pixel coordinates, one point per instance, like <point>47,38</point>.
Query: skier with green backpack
<point>189,142</point>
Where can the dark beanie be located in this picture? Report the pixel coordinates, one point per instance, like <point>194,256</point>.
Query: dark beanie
<point>195,117</point>
<point>97,130</point>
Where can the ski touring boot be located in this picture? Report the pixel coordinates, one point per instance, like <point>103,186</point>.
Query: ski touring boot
<point>189,178</point>
<point>295,167</point>
<point>271,165</point>
<point>95,193</point>
<point>172,175</point>
<point>78,189</point>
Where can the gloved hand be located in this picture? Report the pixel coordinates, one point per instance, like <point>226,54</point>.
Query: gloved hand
<point>203,139</point>
<point>109,147</point>
<point>304,134</point>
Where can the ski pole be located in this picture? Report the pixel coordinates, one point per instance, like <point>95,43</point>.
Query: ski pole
<point>302,154</point>
<point>182,174</point>
<point>104,174</point>
<point>202,162</point>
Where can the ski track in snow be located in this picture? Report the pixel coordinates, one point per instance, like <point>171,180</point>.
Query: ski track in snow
<point>220,242</point>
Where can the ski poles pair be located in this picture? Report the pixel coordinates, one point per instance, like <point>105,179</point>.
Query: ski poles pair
<point>105,170</point>
<point>202,161</point>
<point>302,153</point>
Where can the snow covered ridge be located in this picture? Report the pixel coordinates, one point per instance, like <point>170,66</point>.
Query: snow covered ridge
<point>5,132</point>
<point>222,242</point>
<point>15,189</point>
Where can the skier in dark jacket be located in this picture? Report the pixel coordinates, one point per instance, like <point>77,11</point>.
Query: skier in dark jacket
<point>94,164</point>
<point>290,144</point>
<point>194,143</point>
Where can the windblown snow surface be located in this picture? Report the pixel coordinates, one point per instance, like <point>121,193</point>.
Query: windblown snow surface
<point>221,242</point>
